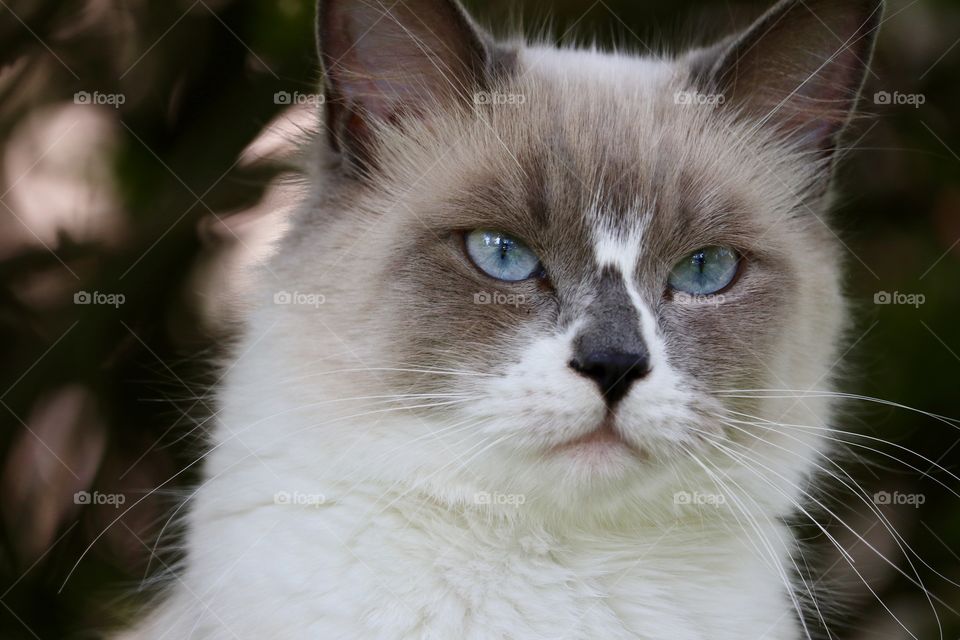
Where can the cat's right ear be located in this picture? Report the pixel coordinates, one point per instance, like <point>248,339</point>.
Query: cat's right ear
<point>387,60</point>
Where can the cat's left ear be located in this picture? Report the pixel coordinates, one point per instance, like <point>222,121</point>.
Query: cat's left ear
<point>799,68</point>
<point>385,60</point>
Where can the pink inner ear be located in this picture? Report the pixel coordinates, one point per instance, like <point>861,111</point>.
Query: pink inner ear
<point>376,98</point>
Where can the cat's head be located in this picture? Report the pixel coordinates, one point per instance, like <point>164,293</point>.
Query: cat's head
<point>556,273</point>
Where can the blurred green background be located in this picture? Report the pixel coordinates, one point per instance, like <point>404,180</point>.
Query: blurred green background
<point>138,143</point>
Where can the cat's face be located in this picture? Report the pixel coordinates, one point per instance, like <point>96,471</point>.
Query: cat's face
<point>568,280</point>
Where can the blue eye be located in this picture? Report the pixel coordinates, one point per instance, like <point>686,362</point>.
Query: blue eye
<point>705,271</point>
<point>501,256</point>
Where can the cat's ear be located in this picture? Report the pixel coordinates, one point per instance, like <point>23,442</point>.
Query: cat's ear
<point>384,60</point>
<point>799,68</point>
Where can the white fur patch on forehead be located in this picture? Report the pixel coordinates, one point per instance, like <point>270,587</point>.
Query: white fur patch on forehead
<point>600,66</point>
<point>615,246</point>
<point>618,250</point>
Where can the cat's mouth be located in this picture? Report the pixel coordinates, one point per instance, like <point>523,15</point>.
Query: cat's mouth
<point>605,438</point>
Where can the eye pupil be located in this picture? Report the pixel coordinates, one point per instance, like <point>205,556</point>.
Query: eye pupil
<point>700,259</point>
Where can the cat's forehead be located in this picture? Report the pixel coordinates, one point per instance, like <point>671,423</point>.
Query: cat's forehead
<point>584,161</point>
<point>591,163</point>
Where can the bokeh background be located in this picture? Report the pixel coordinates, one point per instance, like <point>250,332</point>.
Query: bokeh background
<point>143,151</point>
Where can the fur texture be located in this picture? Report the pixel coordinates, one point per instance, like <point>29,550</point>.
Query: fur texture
<point>415,458</point>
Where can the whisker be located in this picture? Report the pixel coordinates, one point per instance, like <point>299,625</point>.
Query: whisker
<point>829,431</point>
<point>792,394</point>
<point>861,493</point>
<point>743,456</point>
<point>756,527</point>
<point>443,372</point>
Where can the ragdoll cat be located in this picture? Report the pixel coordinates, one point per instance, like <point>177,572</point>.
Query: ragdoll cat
<point>493,381</point>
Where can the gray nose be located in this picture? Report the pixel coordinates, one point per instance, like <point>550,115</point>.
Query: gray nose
<point>610,350</point>
<point>613,371</point>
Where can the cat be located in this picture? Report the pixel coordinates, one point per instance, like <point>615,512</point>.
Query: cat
<point>494,380</point>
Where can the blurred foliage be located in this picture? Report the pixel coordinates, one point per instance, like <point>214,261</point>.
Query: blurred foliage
<point>139,199</point>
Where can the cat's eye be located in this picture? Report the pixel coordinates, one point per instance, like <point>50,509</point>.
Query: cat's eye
<point>705,271</point>
<point>501,256</point>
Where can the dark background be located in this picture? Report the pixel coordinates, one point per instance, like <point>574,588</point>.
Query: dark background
<point>149,200</point>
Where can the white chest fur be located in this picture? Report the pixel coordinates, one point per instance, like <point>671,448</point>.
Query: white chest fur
<point>352,569</point>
